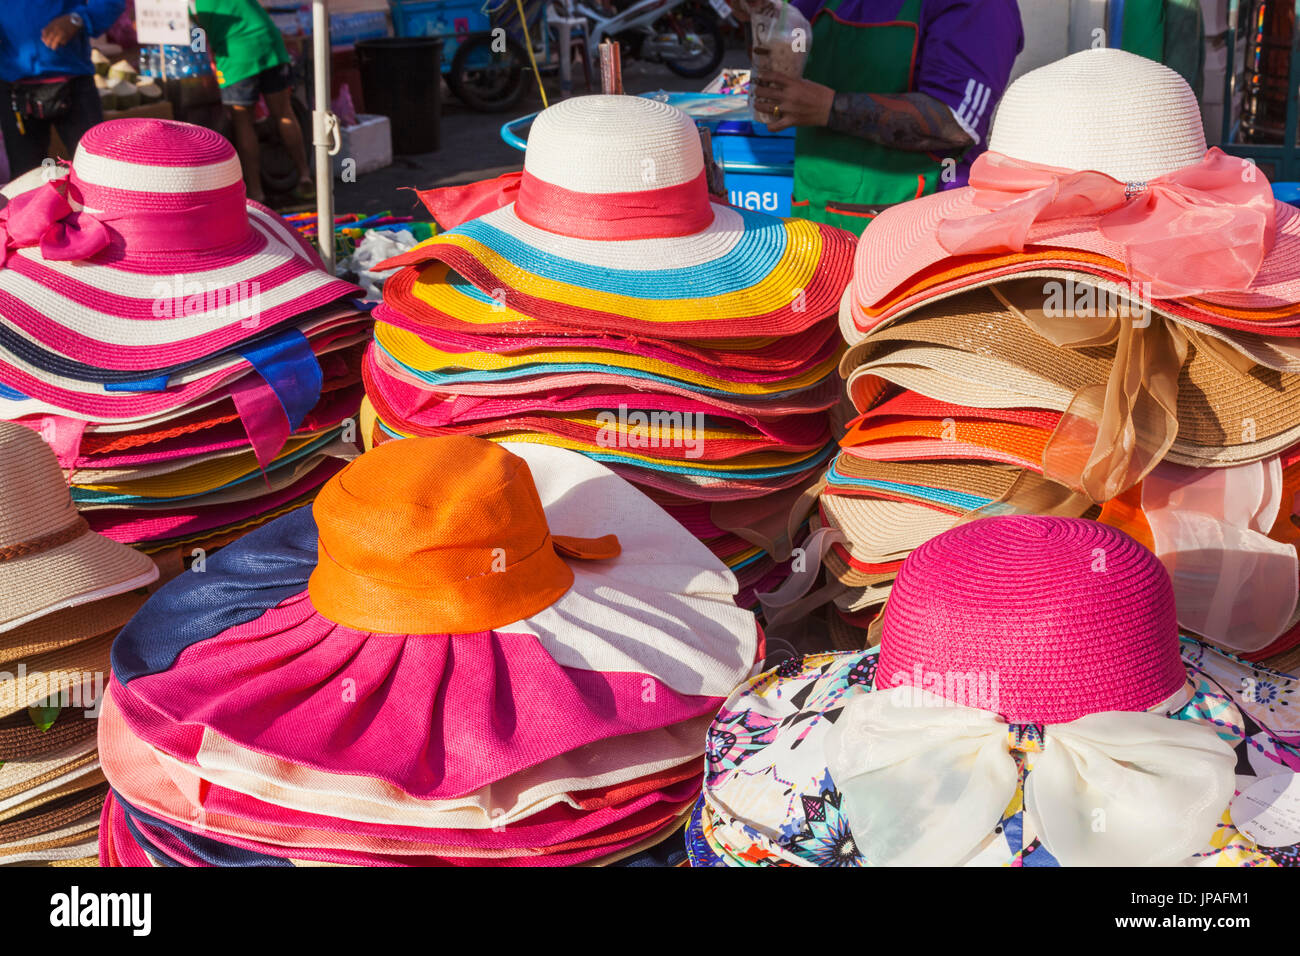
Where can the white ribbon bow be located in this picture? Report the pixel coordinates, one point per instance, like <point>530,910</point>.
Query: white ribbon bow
<point>925,782</point>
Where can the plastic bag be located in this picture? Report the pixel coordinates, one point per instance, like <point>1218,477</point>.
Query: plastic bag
<point>782,37</point>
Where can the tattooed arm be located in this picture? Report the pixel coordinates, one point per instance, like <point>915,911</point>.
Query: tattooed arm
<point>916,122</point>
<point>912,121</point>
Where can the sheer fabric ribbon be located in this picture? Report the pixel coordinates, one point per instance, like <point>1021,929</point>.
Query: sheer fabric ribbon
<point>1203,228</point>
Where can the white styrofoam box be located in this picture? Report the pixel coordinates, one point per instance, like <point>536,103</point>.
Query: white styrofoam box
<point>369,144</point>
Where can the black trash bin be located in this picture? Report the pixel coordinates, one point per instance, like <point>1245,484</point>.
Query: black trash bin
<point>401,78</point>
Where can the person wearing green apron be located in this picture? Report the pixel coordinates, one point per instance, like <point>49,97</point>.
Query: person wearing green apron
<point>894,102</point>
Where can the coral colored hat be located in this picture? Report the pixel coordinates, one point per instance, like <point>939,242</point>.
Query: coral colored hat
<point>1102,152</point>
<point>147,253</point>
<point>611,227</point>
<point>1030,683</point>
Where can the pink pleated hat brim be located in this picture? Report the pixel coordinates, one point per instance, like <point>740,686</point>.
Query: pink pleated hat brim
<point>143,781</point>
<point>103,311</point>
<point>905,242</point>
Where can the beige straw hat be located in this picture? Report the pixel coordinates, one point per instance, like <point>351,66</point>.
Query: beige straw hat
<point>68,669</point>
<point>49,557</point>
<point>70,626</point>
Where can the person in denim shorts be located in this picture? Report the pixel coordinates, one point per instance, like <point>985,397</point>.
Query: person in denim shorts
<point>252,63</point>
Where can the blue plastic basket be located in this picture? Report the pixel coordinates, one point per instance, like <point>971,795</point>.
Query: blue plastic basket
<point>1287,192</point>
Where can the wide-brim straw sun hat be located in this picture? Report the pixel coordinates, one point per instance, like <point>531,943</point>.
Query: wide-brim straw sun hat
<point>714,370</point>
<point>148,253</point>
<point>1009,651</point>
<point>741,352</point>
<point>1103,152</point>
<point>611,227</point>
<point>26,391</point>
<point>586,614</point>
<point>49,558</point>
<point>818,396</point>
<point>423,412</point>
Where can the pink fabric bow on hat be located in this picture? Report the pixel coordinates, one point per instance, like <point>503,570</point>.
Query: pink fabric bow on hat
<point>1203,228</point>
<point>44,217</point>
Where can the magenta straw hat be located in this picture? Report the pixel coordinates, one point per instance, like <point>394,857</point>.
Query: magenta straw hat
<point>1074,616</point>
<point>1031,704</point>
<point>147,253</point>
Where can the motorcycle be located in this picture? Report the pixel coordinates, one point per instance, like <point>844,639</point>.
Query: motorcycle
<point>489,69</point>
<point>683,35</point>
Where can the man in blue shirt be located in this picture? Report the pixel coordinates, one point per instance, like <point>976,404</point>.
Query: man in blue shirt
<point>46,77</point>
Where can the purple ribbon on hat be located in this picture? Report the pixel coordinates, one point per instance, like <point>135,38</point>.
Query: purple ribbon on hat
<point>44,217</point>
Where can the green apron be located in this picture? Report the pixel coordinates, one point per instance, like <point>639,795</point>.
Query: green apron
<point>845,180</point>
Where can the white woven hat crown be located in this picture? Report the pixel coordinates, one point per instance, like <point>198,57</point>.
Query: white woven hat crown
<point>1106,110</point>
<point>609,144</point>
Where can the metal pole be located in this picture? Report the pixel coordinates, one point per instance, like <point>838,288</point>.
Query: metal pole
<point>324,129</point>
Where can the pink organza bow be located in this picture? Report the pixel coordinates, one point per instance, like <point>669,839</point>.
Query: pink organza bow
<point>43,217</point>
<point>1202,228</point>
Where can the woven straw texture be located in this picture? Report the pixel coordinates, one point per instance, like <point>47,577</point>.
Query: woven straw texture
<point>1071,616</point>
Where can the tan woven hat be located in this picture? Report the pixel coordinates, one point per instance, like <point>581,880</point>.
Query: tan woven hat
<point>75,672</point>
<point>70,626</point>
<point>973,350</point>
<point>49,557</point>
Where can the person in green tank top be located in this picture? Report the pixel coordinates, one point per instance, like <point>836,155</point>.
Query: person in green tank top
<point>252,62</point>
<point>894,102</point>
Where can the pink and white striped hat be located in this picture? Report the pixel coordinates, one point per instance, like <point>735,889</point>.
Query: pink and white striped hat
<point>147,252</point>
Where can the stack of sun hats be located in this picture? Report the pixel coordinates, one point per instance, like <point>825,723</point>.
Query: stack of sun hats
<point>448,659</point>
<point>64,592</point>
<point>1102,324</point>
<point>601,302</point>
<point>1029,705</point>
<point>181,348</point>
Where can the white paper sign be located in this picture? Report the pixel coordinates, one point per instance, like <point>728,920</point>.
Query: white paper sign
<point>162,21</point>
<point>1268,811</point>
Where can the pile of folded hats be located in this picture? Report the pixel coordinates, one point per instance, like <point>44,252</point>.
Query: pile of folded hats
<point>181,348</point>
<point>64,592</point>
<point>1019,696</point>
<point>448,659</point>
<point>1102,324</point>
<point>599,301</point>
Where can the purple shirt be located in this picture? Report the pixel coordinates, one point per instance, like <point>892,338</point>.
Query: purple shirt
<point>964,56</point>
